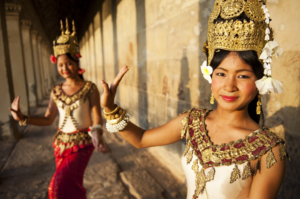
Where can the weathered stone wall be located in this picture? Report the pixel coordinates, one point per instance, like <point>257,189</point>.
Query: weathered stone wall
<point>283,111</point>
<point>161,42</point>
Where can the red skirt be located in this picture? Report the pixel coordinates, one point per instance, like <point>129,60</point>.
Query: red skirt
<point>67,181</point>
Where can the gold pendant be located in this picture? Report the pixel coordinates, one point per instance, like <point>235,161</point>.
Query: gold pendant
<point>282,151</point>
<point>247,171</point>
<point>211,175</point>
<point>270,159</point>
<point>189,157</point>
<point>200,182</point>
<point>187,148</point>
<point>195,166</point>
<point>235,174</point>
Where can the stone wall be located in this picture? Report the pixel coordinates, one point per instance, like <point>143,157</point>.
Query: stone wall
<point>161,42</point>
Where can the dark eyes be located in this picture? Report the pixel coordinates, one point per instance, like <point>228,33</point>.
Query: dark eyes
<point>240,76</point>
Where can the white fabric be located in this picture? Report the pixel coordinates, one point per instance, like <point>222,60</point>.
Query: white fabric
<point>81,114</point>
<point>220,187</point>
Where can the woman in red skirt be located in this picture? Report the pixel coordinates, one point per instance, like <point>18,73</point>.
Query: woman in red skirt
<point>78,134</point>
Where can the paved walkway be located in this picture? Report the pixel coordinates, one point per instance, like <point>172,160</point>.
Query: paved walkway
<point>27,166</point>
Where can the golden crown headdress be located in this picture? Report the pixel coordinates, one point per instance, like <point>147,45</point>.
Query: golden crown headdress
<point>233,34</point>
<point>66,42</point>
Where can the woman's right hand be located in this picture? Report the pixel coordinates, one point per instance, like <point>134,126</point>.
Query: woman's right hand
<point>108,97</point>
<point>15,109</point>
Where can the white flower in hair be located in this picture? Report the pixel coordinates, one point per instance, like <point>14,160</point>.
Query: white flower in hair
<point>206,71</point>
<point>271,48</point>
<point>268,85</point>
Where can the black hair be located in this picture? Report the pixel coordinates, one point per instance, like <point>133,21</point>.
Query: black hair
<point>77,61</point>
<point>250,58</point>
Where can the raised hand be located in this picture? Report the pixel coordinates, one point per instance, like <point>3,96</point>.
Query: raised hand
<point>108,97</point>
<point>15,109</point>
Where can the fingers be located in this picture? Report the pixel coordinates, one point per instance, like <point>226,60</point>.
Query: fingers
<point>12,110</point>
<point>105,87</point>
<point>118,79</point>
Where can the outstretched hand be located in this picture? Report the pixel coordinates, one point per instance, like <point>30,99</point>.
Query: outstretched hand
<point>15,109</point>
<point>107,98</point>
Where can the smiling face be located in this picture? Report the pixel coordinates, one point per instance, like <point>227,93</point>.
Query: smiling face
<point>233,83</point>
<point>66,67</point>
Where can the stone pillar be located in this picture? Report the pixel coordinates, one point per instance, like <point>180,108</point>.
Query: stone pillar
<point>87,57</point>
<point>16,54</point>
<point>93,71</point>
<point>36,65</point>
<point>39,40</point>
<point>46,67</point>
<point>8,127</point>
<point>29,64</point>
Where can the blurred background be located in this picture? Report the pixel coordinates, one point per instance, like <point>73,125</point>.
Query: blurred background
<point>161,41</point>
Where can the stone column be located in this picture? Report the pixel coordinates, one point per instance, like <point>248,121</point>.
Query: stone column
<point>52,67</point>
<point>39,40</point>
<point>29,64</point>
<point>16,54</point>
<point>36,65</point>
<point>8,127</point>
<point>46,67</point>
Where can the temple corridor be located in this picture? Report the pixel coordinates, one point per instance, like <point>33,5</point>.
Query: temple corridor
<point>162,43</point>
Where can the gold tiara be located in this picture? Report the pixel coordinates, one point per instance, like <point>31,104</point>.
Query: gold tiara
<point>236,35</point>
<point>66,42</point>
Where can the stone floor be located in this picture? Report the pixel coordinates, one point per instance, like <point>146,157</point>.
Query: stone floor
<point>27,166</point>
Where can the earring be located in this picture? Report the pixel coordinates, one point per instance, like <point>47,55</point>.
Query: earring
<point>212,99</point>
<point>258,107</point>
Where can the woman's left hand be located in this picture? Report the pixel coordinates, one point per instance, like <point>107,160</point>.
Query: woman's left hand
<point>98,141</point>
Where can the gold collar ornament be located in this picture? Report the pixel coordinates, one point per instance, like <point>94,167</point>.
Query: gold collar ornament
<point>236,35</point>
<point>66,43</point>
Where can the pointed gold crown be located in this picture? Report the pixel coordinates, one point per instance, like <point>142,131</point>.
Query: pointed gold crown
<point>236,35</point>
<point>66,42</point>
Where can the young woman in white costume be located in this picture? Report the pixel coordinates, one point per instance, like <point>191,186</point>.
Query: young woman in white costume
<point>228,155</point>
<point>78,133</point>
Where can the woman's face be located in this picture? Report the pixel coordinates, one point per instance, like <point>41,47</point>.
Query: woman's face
<point>233,83</point>
<point>66,67</point>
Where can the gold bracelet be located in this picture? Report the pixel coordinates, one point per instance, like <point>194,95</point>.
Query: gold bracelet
<point>116,121</point>
<point>116,109</point>
<point>114,116</point>
<point>24,121</point>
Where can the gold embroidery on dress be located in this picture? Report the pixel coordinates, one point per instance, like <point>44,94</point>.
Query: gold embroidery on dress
<point>247,171</point>
<point>235,174</point>
<point>211,175</point>
<point>187,148</point>
<point>208,155</point>
<point>270,159</point>
<point>189,157</point>
<point>282,151</point>
<point>195,166</point>
<point>200,182</point>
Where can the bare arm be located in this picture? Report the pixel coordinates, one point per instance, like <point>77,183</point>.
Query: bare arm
<point>163,135</point>
<point>267,182</point>
<point>97,119</point>
<point>48,119</point>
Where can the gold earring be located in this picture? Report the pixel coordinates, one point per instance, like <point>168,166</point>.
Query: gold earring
<point>258,107</point>
<point>212,99</point>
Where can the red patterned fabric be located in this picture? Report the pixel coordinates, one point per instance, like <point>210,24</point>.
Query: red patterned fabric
<point>67,181</point>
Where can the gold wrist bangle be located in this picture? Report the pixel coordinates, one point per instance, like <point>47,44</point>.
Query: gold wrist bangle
<point>111,122</point>
<point>116,109</point>
<point>114,116</point>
